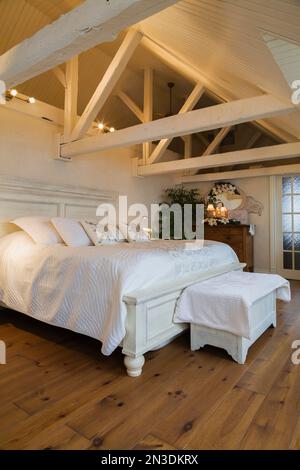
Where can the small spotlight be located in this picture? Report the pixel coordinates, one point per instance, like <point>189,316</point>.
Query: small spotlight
<point>112,129</point>
<point>13,92</point>
<point>31,100</point>
<point>101,126</point>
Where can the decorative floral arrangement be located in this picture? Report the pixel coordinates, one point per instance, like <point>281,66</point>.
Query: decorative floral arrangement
<point>221,188</point>
<point>216,221</point>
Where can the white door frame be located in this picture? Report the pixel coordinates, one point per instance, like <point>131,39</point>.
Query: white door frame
<point>276,235</point>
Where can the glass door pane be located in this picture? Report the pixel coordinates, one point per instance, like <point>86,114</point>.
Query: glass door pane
<point>290,228</point>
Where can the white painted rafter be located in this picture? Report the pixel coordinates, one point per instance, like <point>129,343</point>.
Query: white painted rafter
<point>148,108</point>
<point>262,154</point>
<point>189,104</point>
<point>93,22</point>
<point>71,97</point>
<point>247,173</point>
<point>107,84</point>
<point>193,74</point>
<point>213,117</point>
<point>217,141</point>
<point>60,75</point>
<point>134,108</point>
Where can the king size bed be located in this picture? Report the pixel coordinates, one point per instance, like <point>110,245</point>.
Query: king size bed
<point>123,294</point>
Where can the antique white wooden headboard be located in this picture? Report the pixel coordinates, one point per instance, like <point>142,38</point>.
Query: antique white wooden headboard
<point>20,198</point>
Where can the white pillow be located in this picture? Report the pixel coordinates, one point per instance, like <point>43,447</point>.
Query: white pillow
<point>71,231</point>
<point>39,229</point>
<point>102,234</point>
<point>135,233</point>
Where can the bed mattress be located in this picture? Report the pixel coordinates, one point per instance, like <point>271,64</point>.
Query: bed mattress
<point>82,288</point>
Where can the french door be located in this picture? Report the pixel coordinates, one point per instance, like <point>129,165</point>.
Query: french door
<point>288,226</point>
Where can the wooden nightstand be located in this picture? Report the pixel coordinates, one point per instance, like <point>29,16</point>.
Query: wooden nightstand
<point>236,236</point>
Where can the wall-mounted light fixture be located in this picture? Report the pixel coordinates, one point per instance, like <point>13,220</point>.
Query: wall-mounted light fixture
<point>13,94</point>
<point>103,128</point>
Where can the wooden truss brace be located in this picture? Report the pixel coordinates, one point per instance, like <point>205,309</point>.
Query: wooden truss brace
<point>107,84</point>
<point>188,106</point>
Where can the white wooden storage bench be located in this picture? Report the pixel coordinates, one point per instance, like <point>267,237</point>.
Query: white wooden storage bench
<point>231,311</point>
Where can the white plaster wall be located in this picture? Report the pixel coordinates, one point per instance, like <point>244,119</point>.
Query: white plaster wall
<point>28,147</point>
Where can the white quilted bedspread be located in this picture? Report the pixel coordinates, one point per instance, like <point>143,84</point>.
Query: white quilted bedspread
<point>82,288</point>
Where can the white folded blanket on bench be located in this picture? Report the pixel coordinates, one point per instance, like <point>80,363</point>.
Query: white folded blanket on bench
<point>224,302</point>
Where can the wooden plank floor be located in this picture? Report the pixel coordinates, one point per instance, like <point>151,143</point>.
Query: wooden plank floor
<point>57,391</point>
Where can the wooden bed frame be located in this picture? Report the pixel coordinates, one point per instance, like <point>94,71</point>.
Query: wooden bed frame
<point>149,323</point>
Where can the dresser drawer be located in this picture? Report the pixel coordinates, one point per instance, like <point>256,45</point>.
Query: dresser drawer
<point>237,237</point>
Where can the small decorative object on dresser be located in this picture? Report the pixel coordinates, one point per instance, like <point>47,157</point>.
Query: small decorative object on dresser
<point>238,236</point>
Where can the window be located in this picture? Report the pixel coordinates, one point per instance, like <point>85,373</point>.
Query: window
<point>290,204</point>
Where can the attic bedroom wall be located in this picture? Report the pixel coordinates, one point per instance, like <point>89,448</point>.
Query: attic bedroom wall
<point>27,150</point>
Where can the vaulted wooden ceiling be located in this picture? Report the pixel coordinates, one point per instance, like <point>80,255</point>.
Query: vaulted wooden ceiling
<point>221,38</point>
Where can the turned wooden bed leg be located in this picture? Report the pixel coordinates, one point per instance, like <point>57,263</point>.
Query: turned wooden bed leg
<point>134,365</point>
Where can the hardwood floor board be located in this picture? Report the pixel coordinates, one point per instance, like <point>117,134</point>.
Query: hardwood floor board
<point>57,437</point>
<point>266,367</point>
<point>161,400</point>
<point>226,426</point>
<point>275,421</point>
<point>10,415</point>
<point>57,391</point>
<point>151,442</point>
<point>178,426</point>
<point>129,395</point>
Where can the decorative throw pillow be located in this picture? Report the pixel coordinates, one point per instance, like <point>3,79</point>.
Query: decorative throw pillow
<point>135,232</point>
<point>102,234</point>
<point>71,231</point>
<point>39,229</point>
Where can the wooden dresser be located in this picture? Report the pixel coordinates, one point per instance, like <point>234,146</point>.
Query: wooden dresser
<point>236,236</point>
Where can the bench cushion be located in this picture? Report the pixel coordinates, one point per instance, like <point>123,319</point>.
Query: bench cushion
<point>224,302</point>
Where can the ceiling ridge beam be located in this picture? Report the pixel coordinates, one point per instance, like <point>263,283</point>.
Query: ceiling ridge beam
<point>189,104</point>
<point>107,84</point>
<point>91,23</point>
<point>261,154</point>
<point>213,117</point>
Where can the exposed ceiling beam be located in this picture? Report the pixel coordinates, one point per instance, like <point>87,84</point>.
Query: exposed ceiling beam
<point>189,104</point>
<point>134,108</point>
<point>217,140</point>
<point>215,89</point>
<point>93,22</point>
<point>148,108</point>
<point>107,84</point>
<point>71,97</point>
<point>248,173</point>
<point>274,152</point>
<point>213,117</point>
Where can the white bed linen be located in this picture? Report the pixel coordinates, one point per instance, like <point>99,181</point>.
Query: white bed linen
<point>224,302</point>
<point>82,288</point>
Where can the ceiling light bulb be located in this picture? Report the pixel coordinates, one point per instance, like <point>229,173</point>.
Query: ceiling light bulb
<point>31,100</point>
<point>13,92</point>
<point>112,129</point>
<point>101,126</point>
